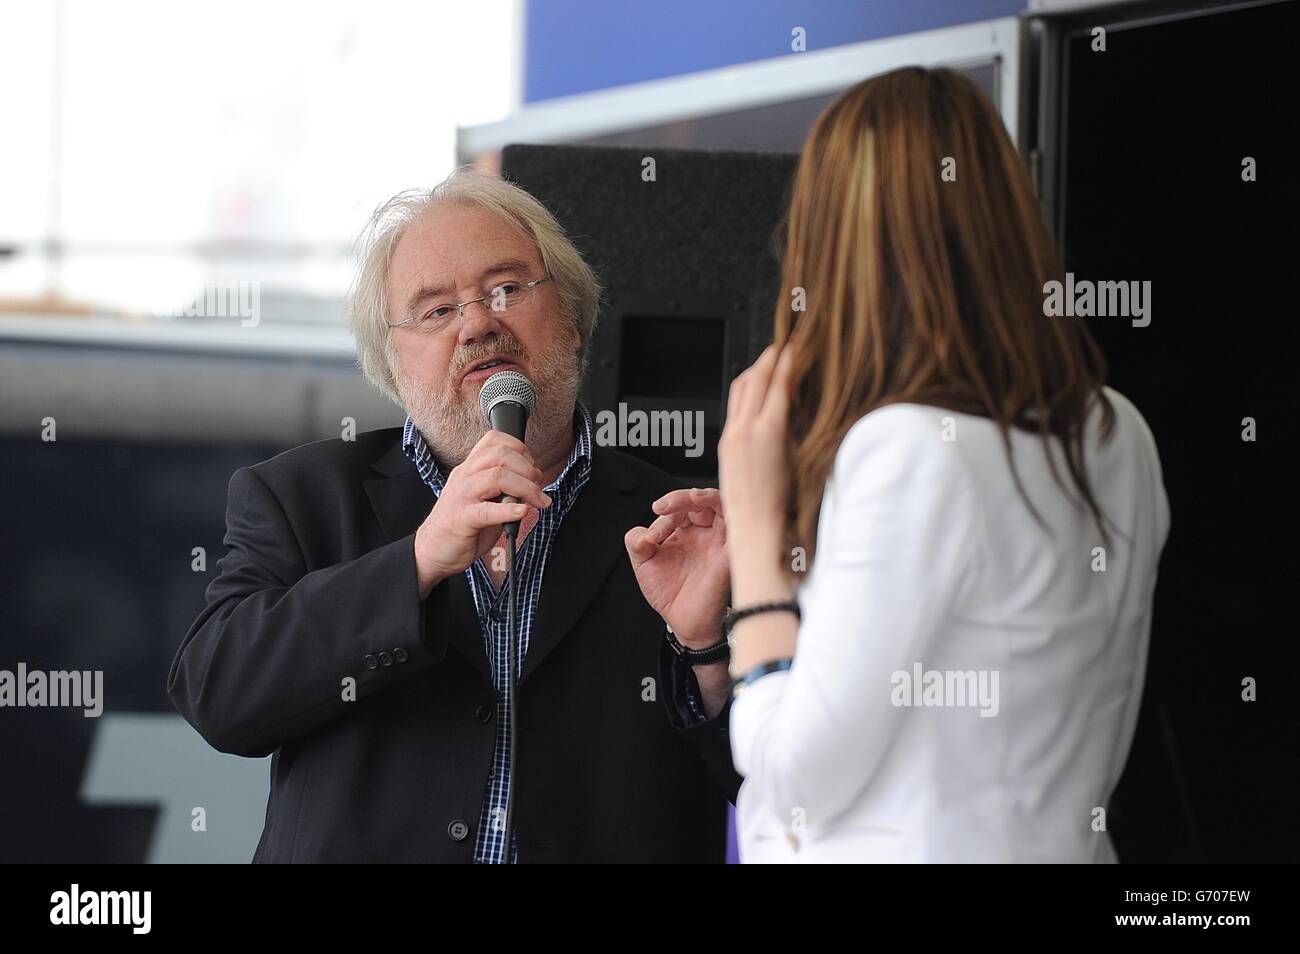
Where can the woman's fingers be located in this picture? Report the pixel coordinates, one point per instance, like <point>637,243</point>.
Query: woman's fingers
<point>749,390</point>
<point>762,375</point>
<point>776,402</point>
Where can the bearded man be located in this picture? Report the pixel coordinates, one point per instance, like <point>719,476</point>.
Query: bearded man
<point>357,628</point>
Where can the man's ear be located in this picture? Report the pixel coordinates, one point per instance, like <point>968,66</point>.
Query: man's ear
<point>584,359</point>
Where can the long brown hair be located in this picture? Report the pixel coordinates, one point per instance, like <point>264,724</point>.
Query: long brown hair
<point>923,288</point>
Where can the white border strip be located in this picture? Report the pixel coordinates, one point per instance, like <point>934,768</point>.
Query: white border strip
<point>747,85</point>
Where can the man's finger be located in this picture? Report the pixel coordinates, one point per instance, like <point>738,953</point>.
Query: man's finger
<point>493,439</point>
<point>663,528</point>
<point>639,547</point>
<point>703,518</point>
<point>489,513</point>
<point>499,481</point>
<point>692,498</point>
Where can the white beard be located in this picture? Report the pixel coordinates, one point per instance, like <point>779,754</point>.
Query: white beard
<point>452,425</point>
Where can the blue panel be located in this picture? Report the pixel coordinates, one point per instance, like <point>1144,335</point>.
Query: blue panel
<point>572,46</point>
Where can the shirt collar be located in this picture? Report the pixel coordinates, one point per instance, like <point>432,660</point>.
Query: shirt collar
<point>578,467</point>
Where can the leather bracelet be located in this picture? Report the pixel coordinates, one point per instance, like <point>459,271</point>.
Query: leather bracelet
<point>739,685</point>
<point>698,657</point>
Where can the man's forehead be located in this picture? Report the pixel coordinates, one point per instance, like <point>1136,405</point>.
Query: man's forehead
<point>445,246</point>
<point>455,237</point>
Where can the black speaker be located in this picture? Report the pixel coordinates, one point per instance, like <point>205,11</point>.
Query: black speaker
<point>685,245</point>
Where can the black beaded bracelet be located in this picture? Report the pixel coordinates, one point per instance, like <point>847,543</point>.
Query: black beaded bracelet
<point>735,616</point>
<point>758,672</point>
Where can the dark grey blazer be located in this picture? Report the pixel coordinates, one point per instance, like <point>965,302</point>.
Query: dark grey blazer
<point>318,584</point>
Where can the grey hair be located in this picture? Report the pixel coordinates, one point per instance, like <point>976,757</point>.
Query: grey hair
<point>576,286</point>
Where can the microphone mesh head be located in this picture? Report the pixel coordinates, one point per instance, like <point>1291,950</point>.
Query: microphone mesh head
<point>507,386</point>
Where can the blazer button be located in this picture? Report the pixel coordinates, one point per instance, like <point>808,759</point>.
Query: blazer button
<point>386,659</point>
<point>483,714</point>
<point>458,830</point>
<point>399,654</point>
<point>372,662</point>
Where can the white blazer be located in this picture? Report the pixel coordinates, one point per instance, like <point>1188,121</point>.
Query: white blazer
<point>966,682</point>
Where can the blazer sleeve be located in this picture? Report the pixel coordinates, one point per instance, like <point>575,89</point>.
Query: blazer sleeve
<point>711,737</point>
<point>269,657</point>
<point>896,541</point>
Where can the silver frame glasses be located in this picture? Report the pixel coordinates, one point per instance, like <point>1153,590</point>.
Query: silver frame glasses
<point>416,320</point>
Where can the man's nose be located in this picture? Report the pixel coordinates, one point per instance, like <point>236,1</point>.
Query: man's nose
<point>480,322</point>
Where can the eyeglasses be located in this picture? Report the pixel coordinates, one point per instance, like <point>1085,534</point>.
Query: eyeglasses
<point>499,298</point>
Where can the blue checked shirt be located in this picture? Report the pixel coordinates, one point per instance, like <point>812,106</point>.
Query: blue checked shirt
<point>489,846</point>
<point>491,605</point>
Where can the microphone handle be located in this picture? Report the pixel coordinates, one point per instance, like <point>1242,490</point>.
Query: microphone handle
<point>509,418</point>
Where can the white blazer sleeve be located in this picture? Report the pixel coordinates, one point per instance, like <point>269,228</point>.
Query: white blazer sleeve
<point>895,545</point>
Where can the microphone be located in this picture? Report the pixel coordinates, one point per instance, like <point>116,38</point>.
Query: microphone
<point>507,399</point>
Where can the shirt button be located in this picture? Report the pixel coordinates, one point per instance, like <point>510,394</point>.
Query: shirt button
<point>399,654</point>
<point>458,830</point>
<point>483,714</point>
<point>372,661</point>
<point>386,659</point>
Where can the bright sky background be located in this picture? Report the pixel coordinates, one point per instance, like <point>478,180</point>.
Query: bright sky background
<point>274,123</point>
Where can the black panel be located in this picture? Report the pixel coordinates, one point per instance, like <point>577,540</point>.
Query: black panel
<point>1154,133</point>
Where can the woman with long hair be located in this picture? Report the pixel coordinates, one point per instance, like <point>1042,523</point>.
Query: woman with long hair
<point>943,526</point>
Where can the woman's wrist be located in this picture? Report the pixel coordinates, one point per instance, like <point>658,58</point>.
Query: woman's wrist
<point>756,579</point>
<point>759,576</point>
<point>762,638</point>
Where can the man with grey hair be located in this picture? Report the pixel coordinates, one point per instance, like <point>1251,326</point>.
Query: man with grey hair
<point>357,628</point>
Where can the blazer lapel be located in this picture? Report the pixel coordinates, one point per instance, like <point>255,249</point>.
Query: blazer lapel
<point>587,547</point>
<point>401,501</point>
